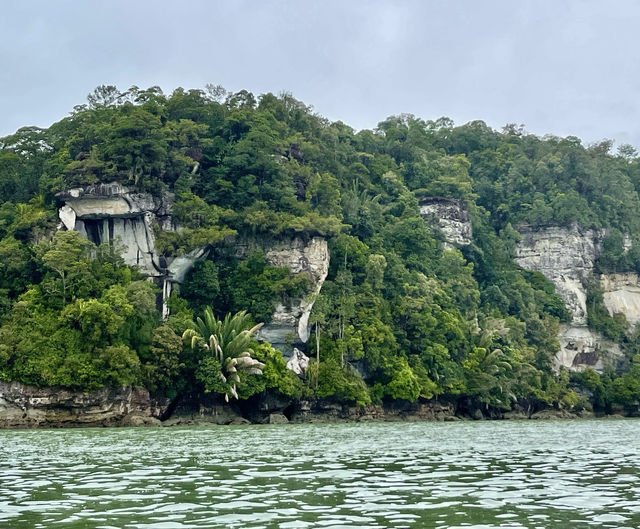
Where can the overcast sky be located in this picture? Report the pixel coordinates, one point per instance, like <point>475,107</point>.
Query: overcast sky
<point>559,67</point>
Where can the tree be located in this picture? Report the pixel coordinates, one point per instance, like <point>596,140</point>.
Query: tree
<point>227,345</point>
<point>163,370</point>
<point>67,256</point>
<point>485,371</point>
<point>318,319</point>
<point>201,286</point>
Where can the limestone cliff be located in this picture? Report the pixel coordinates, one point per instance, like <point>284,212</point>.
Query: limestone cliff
<point>451,216</point>
<point>111,213</point>
<point>622,295</point>
<point>24,406</point>
<point>566,256</point>
<point>580,347</point>
<point>289,324</point>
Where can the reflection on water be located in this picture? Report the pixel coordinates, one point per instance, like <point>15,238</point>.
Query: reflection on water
<point>568,474</point>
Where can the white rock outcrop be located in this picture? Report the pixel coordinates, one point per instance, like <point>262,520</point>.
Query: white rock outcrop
<point>299,362</point>
<point>452,218</point>
<point>581,347</point>
<point>621,293</point>
<point>113,214</point>
<point>289,324</point>
<point>566,256</point>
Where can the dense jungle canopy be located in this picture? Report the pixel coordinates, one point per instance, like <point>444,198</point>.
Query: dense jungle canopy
<point>399,317</point>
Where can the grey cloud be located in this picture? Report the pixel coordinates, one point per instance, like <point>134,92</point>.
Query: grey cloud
<point>558,67</point>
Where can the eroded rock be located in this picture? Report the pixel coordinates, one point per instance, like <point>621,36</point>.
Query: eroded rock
<point>289,324</point>
<point>114,214</point>
<point>278,418</point>
<point>299,362</point>
<point>23,406</point>
<point>111,213</point>
<point>451,216</point>
<point>580,347</point>
<point>621,293</point>
<point>566,256</point>
<point>327,412</point>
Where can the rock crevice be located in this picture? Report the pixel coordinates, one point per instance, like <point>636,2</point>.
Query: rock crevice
<point>111,213</point>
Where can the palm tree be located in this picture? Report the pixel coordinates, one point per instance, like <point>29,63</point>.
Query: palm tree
<point>228,341</point>
<point>484,375</point>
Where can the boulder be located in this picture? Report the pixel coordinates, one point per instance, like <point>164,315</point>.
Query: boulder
<point>299,362</point>
<point>278,418</point>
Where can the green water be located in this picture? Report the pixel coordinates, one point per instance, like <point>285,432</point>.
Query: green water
<point>567,474</point>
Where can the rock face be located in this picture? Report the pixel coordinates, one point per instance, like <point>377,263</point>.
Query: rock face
<point>323,412</point>
<point>622,295</point>
<point>208,409</point>
<point>566,257</point>
<point>289,324</point>
<point>29,407</point>
<point>581,347</point>
<point>114,214</point>
<point>451,216</point>
<point>111,213</point>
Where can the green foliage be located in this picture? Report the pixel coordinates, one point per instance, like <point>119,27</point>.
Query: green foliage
<point>163,369</point>
<point>487,373</point>
<point>201,286</point>
<point>275,375</point>
<point>404,383</point>
<point>200,225</point>
<point>84,326</point>
<point>251,285</point>
<point>226,348</point>
<point>613,327</point>
<point>398,317</point>
<point>341,384</point>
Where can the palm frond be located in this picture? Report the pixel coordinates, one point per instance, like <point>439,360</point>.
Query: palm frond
<point>229,342</point>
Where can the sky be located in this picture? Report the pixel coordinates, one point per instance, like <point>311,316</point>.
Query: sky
<point>559,67</point>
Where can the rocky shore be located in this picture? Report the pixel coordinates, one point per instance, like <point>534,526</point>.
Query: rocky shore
<point>24,406</point>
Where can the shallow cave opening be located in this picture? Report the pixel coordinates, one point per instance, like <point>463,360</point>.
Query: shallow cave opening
<point>99,230</point>
<point>93,229</point>
<point>289,411</point>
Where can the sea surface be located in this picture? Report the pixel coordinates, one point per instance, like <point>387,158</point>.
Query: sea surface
<point>509,474</point>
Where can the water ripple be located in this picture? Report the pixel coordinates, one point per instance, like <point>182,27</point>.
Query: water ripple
<point>454,475</point>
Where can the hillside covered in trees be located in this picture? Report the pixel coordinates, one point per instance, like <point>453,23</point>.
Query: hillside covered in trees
<point>400,316</point>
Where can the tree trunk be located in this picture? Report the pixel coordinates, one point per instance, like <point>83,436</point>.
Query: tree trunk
<point>64,290</point>
<point>317,351</point>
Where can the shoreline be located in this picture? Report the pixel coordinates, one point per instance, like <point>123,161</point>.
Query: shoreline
<point>27,407</point>
<point>188,422</point>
